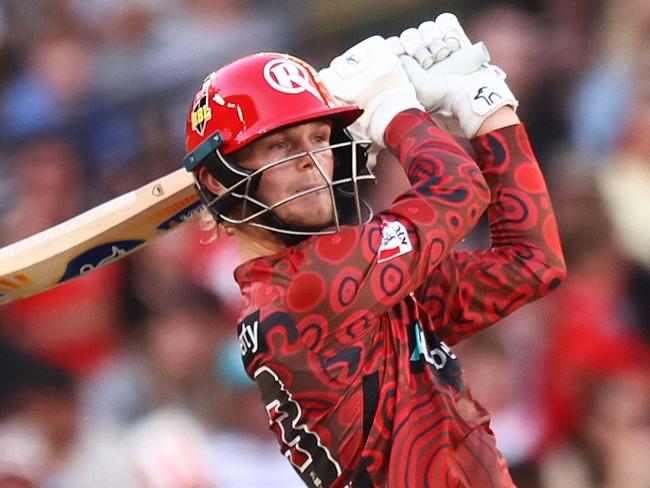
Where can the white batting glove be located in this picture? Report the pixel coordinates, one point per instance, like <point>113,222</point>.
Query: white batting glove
<point>371,75</point>
<point>432,41</point>
<point>452,78</point>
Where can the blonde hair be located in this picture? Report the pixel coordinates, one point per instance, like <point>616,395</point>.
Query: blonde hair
<point>207,223</point>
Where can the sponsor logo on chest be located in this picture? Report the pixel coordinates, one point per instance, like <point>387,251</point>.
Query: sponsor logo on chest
<point>249,334</point>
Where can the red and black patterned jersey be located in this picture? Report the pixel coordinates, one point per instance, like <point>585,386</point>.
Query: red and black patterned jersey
<point>348,335</point>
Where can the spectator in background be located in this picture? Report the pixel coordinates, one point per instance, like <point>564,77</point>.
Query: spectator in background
<point>516,40</point>
<point>52,90</point>
<point>496,378</point>
<point>158,274</point>
<point>75,326</point>
<point>169,362</point>
<point>56,92</point>
<point>47,177</point>
<point>591,340</point>
<point>603,96</point>
<point>624,180</point>
<point>44,441</point>
<point>168,448</point>
<point>611,448</point>
<point>244,429</point>
<point>518,44</point>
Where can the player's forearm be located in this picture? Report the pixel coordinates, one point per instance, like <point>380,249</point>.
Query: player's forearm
<point>504,117</point>
<point>438,168</point>
<point>521,218</point>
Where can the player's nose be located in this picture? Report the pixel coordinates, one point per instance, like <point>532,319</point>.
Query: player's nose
<point>306,158</point>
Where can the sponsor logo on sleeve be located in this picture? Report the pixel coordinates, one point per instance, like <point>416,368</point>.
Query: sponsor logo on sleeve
<point>395,241</point>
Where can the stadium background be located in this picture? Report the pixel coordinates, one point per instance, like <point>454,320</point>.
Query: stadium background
<point>130,376</point>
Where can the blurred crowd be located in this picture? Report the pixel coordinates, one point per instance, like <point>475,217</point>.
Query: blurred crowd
<point>131,376</point>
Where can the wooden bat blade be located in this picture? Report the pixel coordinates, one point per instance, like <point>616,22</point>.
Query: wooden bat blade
<point>99,236</point>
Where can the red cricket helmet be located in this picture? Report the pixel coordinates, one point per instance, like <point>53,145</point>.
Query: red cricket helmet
<point>256,95</point>
<point>250,98</point>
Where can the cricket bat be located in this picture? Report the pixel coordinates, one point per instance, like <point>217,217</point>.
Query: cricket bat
<point>97,237</point>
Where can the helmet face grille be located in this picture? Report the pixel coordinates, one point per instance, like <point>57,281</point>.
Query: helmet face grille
<point>239,203</point>
<point>255,96</point>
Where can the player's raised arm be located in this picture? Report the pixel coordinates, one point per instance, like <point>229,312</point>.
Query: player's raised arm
<point>472,290</point>
<point>448,193</point>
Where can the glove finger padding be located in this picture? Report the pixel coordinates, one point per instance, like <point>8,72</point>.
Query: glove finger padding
<point>432,37</point>
<point>435,86</point>
<point>452,32</point>
<point>432,41</point>
<point>414,45</point>
<point>463,62</point>
<point>370,75</point>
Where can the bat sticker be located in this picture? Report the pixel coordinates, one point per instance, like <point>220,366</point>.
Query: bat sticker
<point>180,217</point>
<point>98,256</point>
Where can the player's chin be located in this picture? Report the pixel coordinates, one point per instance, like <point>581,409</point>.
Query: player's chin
<point>310,216</point>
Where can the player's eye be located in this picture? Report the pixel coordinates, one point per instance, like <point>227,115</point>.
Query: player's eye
<point>322,138</point>
<point>279,145</point>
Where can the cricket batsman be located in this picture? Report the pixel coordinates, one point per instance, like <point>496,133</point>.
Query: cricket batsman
<point>350,315</point>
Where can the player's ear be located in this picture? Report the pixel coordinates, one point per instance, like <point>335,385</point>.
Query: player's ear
<point>209,181</point>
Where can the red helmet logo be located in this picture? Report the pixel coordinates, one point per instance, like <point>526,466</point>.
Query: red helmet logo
<point>288,76</point>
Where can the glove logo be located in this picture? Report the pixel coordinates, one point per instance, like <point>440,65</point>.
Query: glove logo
<point>352,60</point>
<point>487,98</point>
<point>288,77</point>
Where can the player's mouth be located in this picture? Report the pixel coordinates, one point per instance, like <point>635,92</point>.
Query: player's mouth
<point>310,190</point>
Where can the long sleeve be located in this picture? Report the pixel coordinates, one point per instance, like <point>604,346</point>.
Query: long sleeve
<point>374,267</point>
<point>330,335</point>
<point>472,290</point>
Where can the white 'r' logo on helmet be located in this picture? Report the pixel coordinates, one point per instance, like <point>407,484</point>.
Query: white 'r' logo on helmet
<point>289,77</point>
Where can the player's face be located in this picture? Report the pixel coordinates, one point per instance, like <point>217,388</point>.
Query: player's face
<point>296,175</point>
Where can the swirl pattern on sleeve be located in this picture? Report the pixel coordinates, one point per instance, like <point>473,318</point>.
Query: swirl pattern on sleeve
<point>348,336</point>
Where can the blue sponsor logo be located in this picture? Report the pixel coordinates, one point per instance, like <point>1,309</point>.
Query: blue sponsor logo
<point>180,217</point>
<point>98,256</point>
